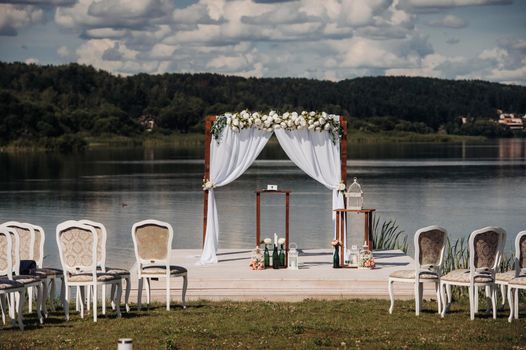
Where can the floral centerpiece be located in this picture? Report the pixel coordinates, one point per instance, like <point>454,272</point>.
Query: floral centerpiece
<point>312,121</point>
<point>366,259</point>
<point>257,262</point>
<point>207,185</point>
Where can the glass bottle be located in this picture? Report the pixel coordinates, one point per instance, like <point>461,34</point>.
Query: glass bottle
<point>336,258</point>
<point>275,257</point>
<point>281,257</point>
<point>266,257</point>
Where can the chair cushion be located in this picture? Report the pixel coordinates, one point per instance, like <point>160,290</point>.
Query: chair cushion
<point>117,271</point>
<point>49,272</point>
<point>507,276</point>
<point>88,277</point>
<point>462,275</point>
<point>410,274</point>
<point>27,279</point>
<point>161,270</point>
<point>6,284</point>
<point>518,280</point>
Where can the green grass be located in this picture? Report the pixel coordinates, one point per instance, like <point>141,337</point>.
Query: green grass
<point>311,324</point>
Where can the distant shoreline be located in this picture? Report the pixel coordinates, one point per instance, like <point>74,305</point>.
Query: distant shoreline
<point>195,138</point>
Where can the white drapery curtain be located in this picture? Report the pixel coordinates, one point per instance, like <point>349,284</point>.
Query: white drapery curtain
<point>229,159</point>
<point>319,157</point>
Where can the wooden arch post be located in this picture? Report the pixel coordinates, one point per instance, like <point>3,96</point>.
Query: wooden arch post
<point>208,139</point>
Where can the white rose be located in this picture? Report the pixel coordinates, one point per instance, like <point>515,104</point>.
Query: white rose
<point>257,121</point>
<point>286,115</point>
<point>283,125</point>
<point>311,121</point>
<point>311,127</point>
<point>316,123</point>
<point>322,121</point>
<point>228,121</point>
<point>241,125</point>
<point>277,126</point>
<point>264,117</point>
<point>271,114</point>
<point>235,122</point>
<point>327,126</point>
<point>269,129</point>
<point>267,241</point>
<point>324,115</point>
<point>277,119</point>
<point>294,115</point>
<point>281,241</point>
<point>317,128</point>
<point>341,186</point>
<point>235,129</point>
<point>312,114</point>
<point>290,123</point>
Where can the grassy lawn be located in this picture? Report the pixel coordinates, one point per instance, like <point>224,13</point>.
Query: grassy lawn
<point>361,324</point>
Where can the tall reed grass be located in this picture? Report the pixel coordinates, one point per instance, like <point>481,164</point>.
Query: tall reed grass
<point>388,235</point>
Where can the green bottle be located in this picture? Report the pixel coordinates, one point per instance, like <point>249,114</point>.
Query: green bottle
<point>336,258</point>
<point>281,257</point>
<point>266,257</point>
<point>275,258</point>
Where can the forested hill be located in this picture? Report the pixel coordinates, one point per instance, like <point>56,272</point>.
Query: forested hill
<point>50,101</point>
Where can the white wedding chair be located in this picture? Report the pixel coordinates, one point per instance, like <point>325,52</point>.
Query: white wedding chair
<point>77,246</point>
<point>519,279</point>
<point>9,287</point>
<point>50,273</point>
<point>485,251</point>
<point>29,281</point>
<point>101,265</point>
<point>503,278</point>
<point>429,243</point>
<point>152,240</point>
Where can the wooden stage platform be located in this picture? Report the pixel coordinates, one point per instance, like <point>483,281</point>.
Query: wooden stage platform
<point>232,278</point>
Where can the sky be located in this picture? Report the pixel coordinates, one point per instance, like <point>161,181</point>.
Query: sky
<point>320,39</point>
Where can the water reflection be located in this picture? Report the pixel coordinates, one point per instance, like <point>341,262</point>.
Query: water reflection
<point>459,186</point>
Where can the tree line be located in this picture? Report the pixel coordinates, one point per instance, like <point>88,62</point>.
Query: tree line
<point>46,102</point>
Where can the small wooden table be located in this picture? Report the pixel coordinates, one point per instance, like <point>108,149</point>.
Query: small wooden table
<point>341,219</point>
<point>258,218</point>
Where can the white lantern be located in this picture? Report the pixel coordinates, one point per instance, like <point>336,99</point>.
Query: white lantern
<point>354,256</point>
<point>293,256</point>
<point>354,196</point>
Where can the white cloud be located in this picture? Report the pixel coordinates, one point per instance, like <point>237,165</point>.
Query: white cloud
<point>14,17</point>
<point>449,21</point>
<point>435,5</point>
<point>32,60</point>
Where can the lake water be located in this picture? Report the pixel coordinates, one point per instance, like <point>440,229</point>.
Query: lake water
<point>461,187</point>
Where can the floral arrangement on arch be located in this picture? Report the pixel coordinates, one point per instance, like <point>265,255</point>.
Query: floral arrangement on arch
<point>313,121</point>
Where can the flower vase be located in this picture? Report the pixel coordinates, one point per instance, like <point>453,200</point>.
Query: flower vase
<point>281,257</point>
<point>266,257</point>
<point>336,258</point>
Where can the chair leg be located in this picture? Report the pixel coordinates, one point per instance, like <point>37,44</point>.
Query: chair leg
<point>112,296</point>
<point>139,293</point>
<point>417,298</point>
<point>30,301</point>
<point>103,296</point>
<point>472,302</point>
<point>185,286</point>
<point>45,294</point>
<point>127,295</point>
<point>449,294</point>
<point>22,298</point>
<point>62,290</point>
<point>81,294</point>
<point>439,297</point>
<point>493,291</point>
<point>148,291</point>
<point>391,295</point>
<point>3,305</point>
<point>95,303</point>
<point>510,303</point>
<point>476,298</point>
<point>39,303</point>
<point>168,293</point>
<point>117,299</point>
<point>503,293</point>
<point>65,302</point>
<point>77,299</point>
<point>52,293</point>
<point>516,304</point>
<point>88,298</point>
<point>443,288</point>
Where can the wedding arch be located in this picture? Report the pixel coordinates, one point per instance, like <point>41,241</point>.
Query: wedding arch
<point>315,142</point>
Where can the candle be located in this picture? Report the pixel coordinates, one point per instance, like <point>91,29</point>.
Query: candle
<point>275,239</point>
